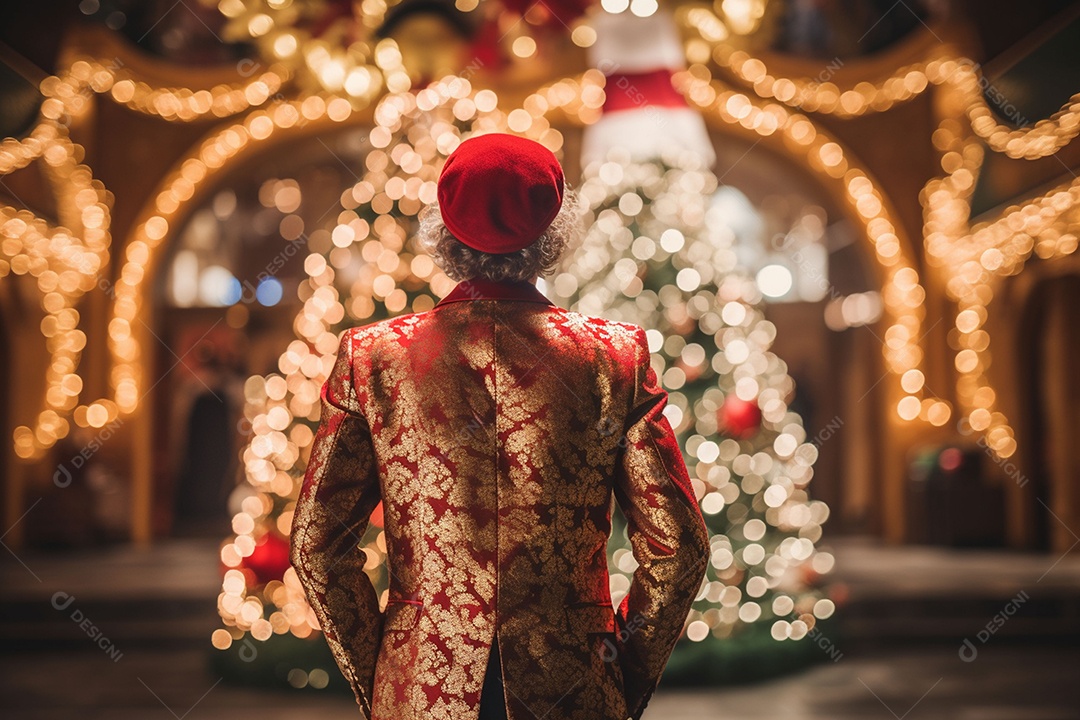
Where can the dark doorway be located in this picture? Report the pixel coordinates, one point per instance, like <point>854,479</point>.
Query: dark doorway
<point>1048,345</point>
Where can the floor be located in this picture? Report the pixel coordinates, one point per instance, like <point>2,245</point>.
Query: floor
<point>902,651</point>
<point>1007,682</point>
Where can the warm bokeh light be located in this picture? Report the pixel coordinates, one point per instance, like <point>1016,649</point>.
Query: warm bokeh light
<point>654,255</point>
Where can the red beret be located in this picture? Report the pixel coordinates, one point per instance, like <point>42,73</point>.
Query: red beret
<point>499,193</point>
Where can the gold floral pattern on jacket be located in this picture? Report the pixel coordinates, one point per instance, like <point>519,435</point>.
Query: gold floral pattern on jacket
<point>497,429</point>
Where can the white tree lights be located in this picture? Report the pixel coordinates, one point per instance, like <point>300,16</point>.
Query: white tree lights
<point>655,254</point>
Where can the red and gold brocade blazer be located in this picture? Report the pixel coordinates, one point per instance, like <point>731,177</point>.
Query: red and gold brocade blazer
<point>495,429</point>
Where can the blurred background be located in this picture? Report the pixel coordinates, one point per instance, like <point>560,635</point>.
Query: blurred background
<point>850,227</point>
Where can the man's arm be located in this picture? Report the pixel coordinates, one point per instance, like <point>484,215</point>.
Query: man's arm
<point>667,534</point>
<point>341,488</point>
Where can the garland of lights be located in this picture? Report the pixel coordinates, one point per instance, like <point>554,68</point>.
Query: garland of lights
<point>825,96</point>
<point>68,260</point>
<point>979,257</point>
<point>1043,138</point>
<point>906,83</point>
<point>65,260</point>
<point>328,47</point>
<point>1043,227</point>
<point>178,104</point>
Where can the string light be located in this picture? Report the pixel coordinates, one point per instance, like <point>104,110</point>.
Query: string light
<point>325,48</point>
<point>17,153</point>
<point>578,100</point>
<point>822,95</point>
<point>69,260</point>
<point>1044,138</point>
<point>65,260</point>
<point>171,103</point>
<point>978,258</point>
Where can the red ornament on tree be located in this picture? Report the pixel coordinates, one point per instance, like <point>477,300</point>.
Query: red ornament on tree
<point>270,558</point>
<point>739,418</point>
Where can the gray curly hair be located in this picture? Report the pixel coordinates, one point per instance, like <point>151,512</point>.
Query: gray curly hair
<point>461,262</point>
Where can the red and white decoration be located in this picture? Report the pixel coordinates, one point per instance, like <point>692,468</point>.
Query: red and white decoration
<point>644,115</point>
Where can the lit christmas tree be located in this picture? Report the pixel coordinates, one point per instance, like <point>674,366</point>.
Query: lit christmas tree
<point>657,255</point>
<point>658,252</point>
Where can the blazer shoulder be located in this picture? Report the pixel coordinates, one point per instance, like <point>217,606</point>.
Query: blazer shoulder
<point>620,339</point>
<point>602,327</point>
<point>396,328</point>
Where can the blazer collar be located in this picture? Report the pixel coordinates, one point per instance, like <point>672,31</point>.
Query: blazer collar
<point>481,289</point>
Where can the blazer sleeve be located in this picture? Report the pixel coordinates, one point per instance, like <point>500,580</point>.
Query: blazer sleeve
<point>667,535</point>
<point>340,491</point>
